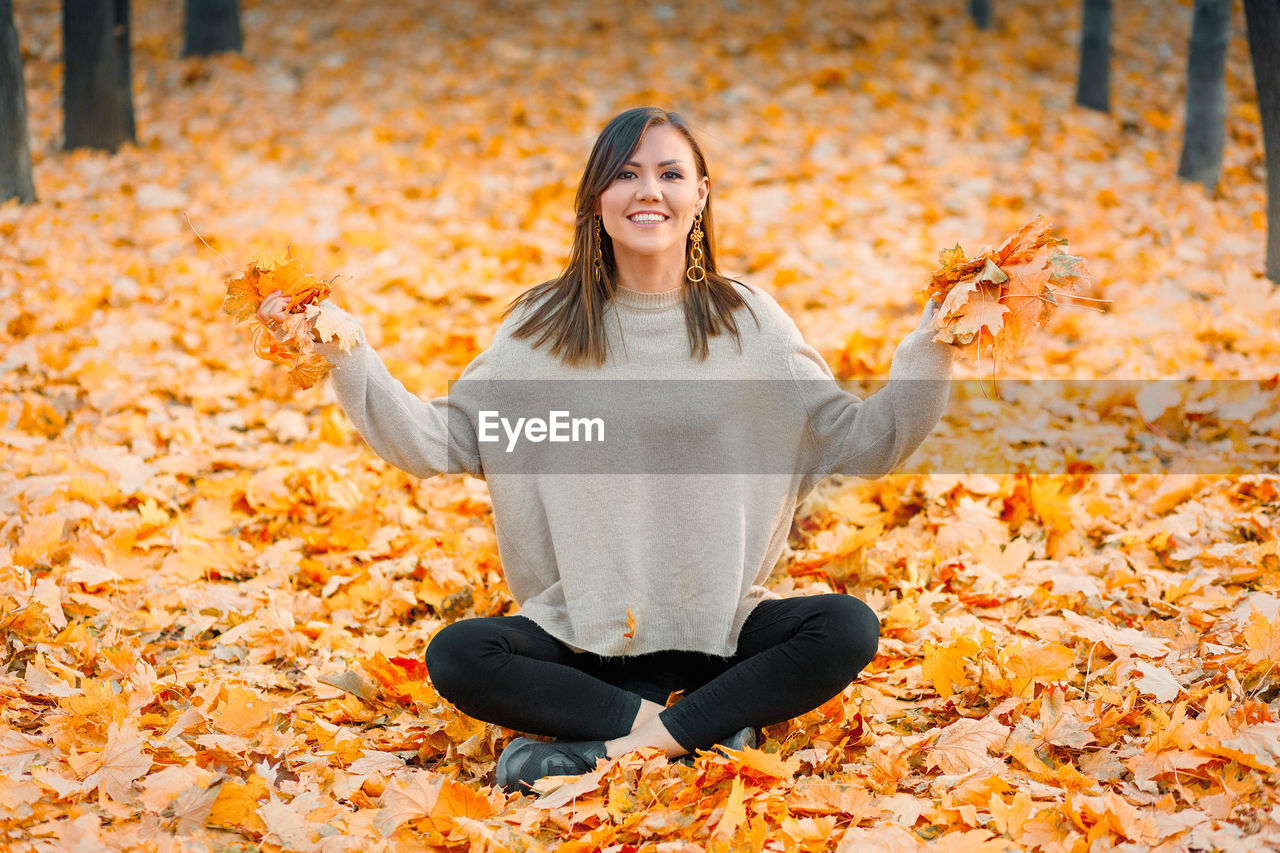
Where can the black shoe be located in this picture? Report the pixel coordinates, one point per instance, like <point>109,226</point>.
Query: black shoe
<point>738,740</point>
<point>525,760</point>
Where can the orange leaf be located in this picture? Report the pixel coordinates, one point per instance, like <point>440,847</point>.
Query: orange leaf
<point>458,801</point>
<point>735,811</point>
<point>237,804</point>
<point>992,302</point>
<point>242,298</point>
<point>761,763</point>
<point>241,712</point>
<point>962,746</point>
<point>122,761</point>
<point>308,370</point>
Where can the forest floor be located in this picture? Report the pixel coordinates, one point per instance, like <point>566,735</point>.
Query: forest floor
<point>214,598</point>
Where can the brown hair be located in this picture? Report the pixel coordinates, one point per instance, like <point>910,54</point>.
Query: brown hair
<point>571,318</point>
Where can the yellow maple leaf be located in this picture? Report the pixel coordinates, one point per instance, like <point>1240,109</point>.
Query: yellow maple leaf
<point>1042,663</point>
<point>237,804</point>
<point>945,667</point>
<point>241,711</point>
<point>1262,636</point>
<point>735,811</point>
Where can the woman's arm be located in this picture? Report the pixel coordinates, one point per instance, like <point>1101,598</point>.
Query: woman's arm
<point>869,438</point>
<point>423,437</point>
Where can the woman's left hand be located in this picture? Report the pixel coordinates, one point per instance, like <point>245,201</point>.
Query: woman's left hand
<point>930,311</point>
<point>273,312</point>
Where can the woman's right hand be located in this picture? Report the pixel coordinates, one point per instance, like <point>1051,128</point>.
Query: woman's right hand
<point>273,312</point>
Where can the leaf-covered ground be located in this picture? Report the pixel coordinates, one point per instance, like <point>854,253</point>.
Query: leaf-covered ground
<point>214,598</point>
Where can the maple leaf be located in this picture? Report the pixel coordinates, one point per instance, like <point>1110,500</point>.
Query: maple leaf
<point>242,298</point>
<point>735,811</point>
<point>962,746</point>
<point>403,801</point>
<point>1158,681</point>
<point>241,712</point>
<point>1024,294</point>
<point>351,682</point>
<point>121,763</point>
<point>394,675</point>
<point>161,788</point>
<point>236,805</point>
<point>415,669</point>
<point>970,310</point>
<point>432,802</point>
<point>292,342</point>
<point>192,807</point>
<point>267,273</point>
<point>308,369</point>
<point>946,668</point>
<point>886,838</point>
<point>992,302</point>
<point>40,538</point>
<point>1060,725</point>
<point>333,325</point>
<point>1262,636</point>
<point>757,763</point>
<point>457,801</point>
<point>288,822</point>
<point>556,791</point>
<point>1043,663</point>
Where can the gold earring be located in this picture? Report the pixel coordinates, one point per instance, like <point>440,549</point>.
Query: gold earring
<point>598,261</point>
<point>695,272</point>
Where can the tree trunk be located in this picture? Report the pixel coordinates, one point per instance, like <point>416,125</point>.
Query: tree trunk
<point>1206,93</point>
<point>97,92</point>
<point>980,13</point>
<point>15,149</point>
<point>1262,18</point>
<point>212,26</point>
<point>1093,87</point>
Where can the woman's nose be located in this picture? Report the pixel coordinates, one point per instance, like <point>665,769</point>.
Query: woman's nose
<point>648,189</point>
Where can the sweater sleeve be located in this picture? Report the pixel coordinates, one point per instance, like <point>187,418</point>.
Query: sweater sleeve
<point>869,438</point>
<point>422,437</point>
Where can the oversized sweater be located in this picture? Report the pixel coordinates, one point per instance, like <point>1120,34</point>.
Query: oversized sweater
<point>669,547</point>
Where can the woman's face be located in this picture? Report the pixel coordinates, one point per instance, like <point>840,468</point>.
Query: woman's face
<point>649,207</point>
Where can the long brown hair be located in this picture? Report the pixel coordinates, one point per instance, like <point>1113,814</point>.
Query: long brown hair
<point>571,318</point>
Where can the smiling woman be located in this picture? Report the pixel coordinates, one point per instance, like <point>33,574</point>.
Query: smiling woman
<point>649,210</point>
<point>635,581</point>
<point>643,203</point>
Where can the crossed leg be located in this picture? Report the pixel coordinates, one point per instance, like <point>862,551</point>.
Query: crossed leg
<point>793,654</point>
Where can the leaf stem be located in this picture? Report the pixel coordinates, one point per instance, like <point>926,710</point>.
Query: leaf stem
<point>206,242</point>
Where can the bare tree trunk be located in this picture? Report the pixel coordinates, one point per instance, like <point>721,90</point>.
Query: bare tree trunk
<point>1093,86</point>
<point>980,13</point>
<point>1263,20</point>
<point>15,148</point>
<point>1206,93</point>
<point>97,91</point>
<point>212,26</point>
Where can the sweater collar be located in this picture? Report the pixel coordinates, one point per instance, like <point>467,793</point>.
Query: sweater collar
<point>649,301</point>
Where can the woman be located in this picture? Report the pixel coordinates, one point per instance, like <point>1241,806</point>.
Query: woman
<point>636,584</point>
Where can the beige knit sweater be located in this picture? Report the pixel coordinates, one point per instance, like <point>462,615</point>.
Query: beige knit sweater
<point>686,554</point>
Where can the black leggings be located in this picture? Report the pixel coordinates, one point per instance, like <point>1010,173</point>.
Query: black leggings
<point>793,654</point>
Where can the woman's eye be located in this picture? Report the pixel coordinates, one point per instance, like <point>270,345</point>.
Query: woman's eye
<point>626,173</point>
<point>673,173</point>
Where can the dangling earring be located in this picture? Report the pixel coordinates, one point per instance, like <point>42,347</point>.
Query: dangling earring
<point>695,272</point>
<point>598,261</point>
